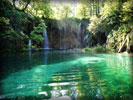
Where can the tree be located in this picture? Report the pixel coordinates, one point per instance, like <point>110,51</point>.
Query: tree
<point>23,3</point>
<point>36,34</point>
<point>40,9</point>
<point>62,11</point>
<point>89,8</point>
<point>83,11</point>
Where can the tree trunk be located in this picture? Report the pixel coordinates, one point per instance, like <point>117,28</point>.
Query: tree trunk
<point>14,4</point>
<point>28,2</point>
<point>122,46</point>
<point>98,8</point>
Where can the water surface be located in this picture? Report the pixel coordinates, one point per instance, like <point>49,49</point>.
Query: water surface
<point>59,75</point>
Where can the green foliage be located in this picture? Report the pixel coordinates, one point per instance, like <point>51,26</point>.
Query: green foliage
<point>99,49</point>
<point>39,28</point>
<point>37,38</point>
<point>87,50</point>
<point>101,27</point>
<point>109,11</point>
<point>83,11</point>
<point>41,9</point>
<point>12,35</point>
<point>19,21</point>
<point>102,49</point>
<point>4,20</point>
<point>97,31</point>
<point>36,34</point>
<point>89,8</point>
<point>18,25</point>
<point>118,36</point>
<point>115,21</point>
<point>62,11</point>
<point>96,26</point>
<point>127,10</point>
<point>4,23</point>
<point>110,16</point>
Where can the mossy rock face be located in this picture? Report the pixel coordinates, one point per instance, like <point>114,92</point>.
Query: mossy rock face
<point>130,46</point>
<point>115,44</point>
<point>117,38</point>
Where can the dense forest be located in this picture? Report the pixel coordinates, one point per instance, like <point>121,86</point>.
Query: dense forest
<point>99,24</point>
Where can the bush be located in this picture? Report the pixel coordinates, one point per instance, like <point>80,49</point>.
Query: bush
<point>99,49</point>
<point>36,34</point>
<point>87,50</point>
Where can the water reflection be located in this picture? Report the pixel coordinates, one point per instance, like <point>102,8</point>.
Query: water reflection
<point>30,54</point>
<point>46,57</point>
<point>94,77</point>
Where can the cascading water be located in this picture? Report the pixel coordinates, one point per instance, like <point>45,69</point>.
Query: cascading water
<point>79,29</point>
<point>65,28</point>
<point>60,39</point>
<point>46,41</point>
<point>65,35</point>
<point>78,35</point>
<point>29,44</point>
<point>45,45</point>
<point>85,39</point>
<point>107,40</point>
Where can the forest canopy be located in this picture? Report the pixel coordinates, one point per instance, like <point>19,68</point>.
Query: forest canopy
<point>22,20</point>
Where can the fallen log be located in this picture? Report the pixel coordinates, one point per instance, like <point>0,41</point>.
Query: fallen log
<point>122,46</point>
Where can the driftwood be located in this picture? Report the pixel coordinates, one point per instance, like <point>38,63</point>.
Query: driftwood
<point>122,46</point>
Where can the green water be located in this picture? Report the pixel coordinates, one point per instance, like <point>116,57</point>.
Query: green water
<point>57,75</point>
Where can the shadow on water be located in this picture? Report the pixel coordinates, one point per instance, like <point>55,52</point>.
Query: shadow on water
<point>46,57</point>
<point>72,76</point>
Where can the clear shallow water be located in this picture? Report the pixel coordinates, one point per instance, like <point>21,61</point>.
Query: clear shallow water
<point>65,75</point>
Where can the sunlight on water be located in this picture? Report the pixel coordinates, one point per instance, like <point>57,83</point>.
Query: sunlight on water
<point>38,75</point>
<point>102,76</point>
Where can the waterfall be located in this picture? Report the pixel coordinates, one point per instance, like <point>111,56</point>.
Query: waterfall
<point>99,94</point>
<point>29,44</point>
<point>78,36</point>
<point>85,39</point>
<point>46,42</point>
<point>30,53</point>
<point>65,29</point>
<point>60,40</point>
<point>107,40</point>
<point>64,36</point>
<point>79,30</point>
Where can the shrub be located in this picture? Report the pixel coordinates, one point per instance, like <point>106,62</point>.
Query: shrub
<point>99,49</point>
<point>36,34</point>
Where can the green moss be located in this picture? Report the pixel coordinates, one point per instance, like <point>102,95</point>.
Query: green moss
<point>87,49</point>
<point>99,49</point>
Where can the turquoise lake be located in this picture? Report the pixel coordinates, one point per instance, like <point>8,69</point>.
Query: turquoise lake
<point>66,75</point>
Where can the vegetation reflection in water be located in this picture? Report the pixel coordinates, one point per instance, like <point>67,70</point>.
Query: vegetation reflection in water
<point>103,76</point>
